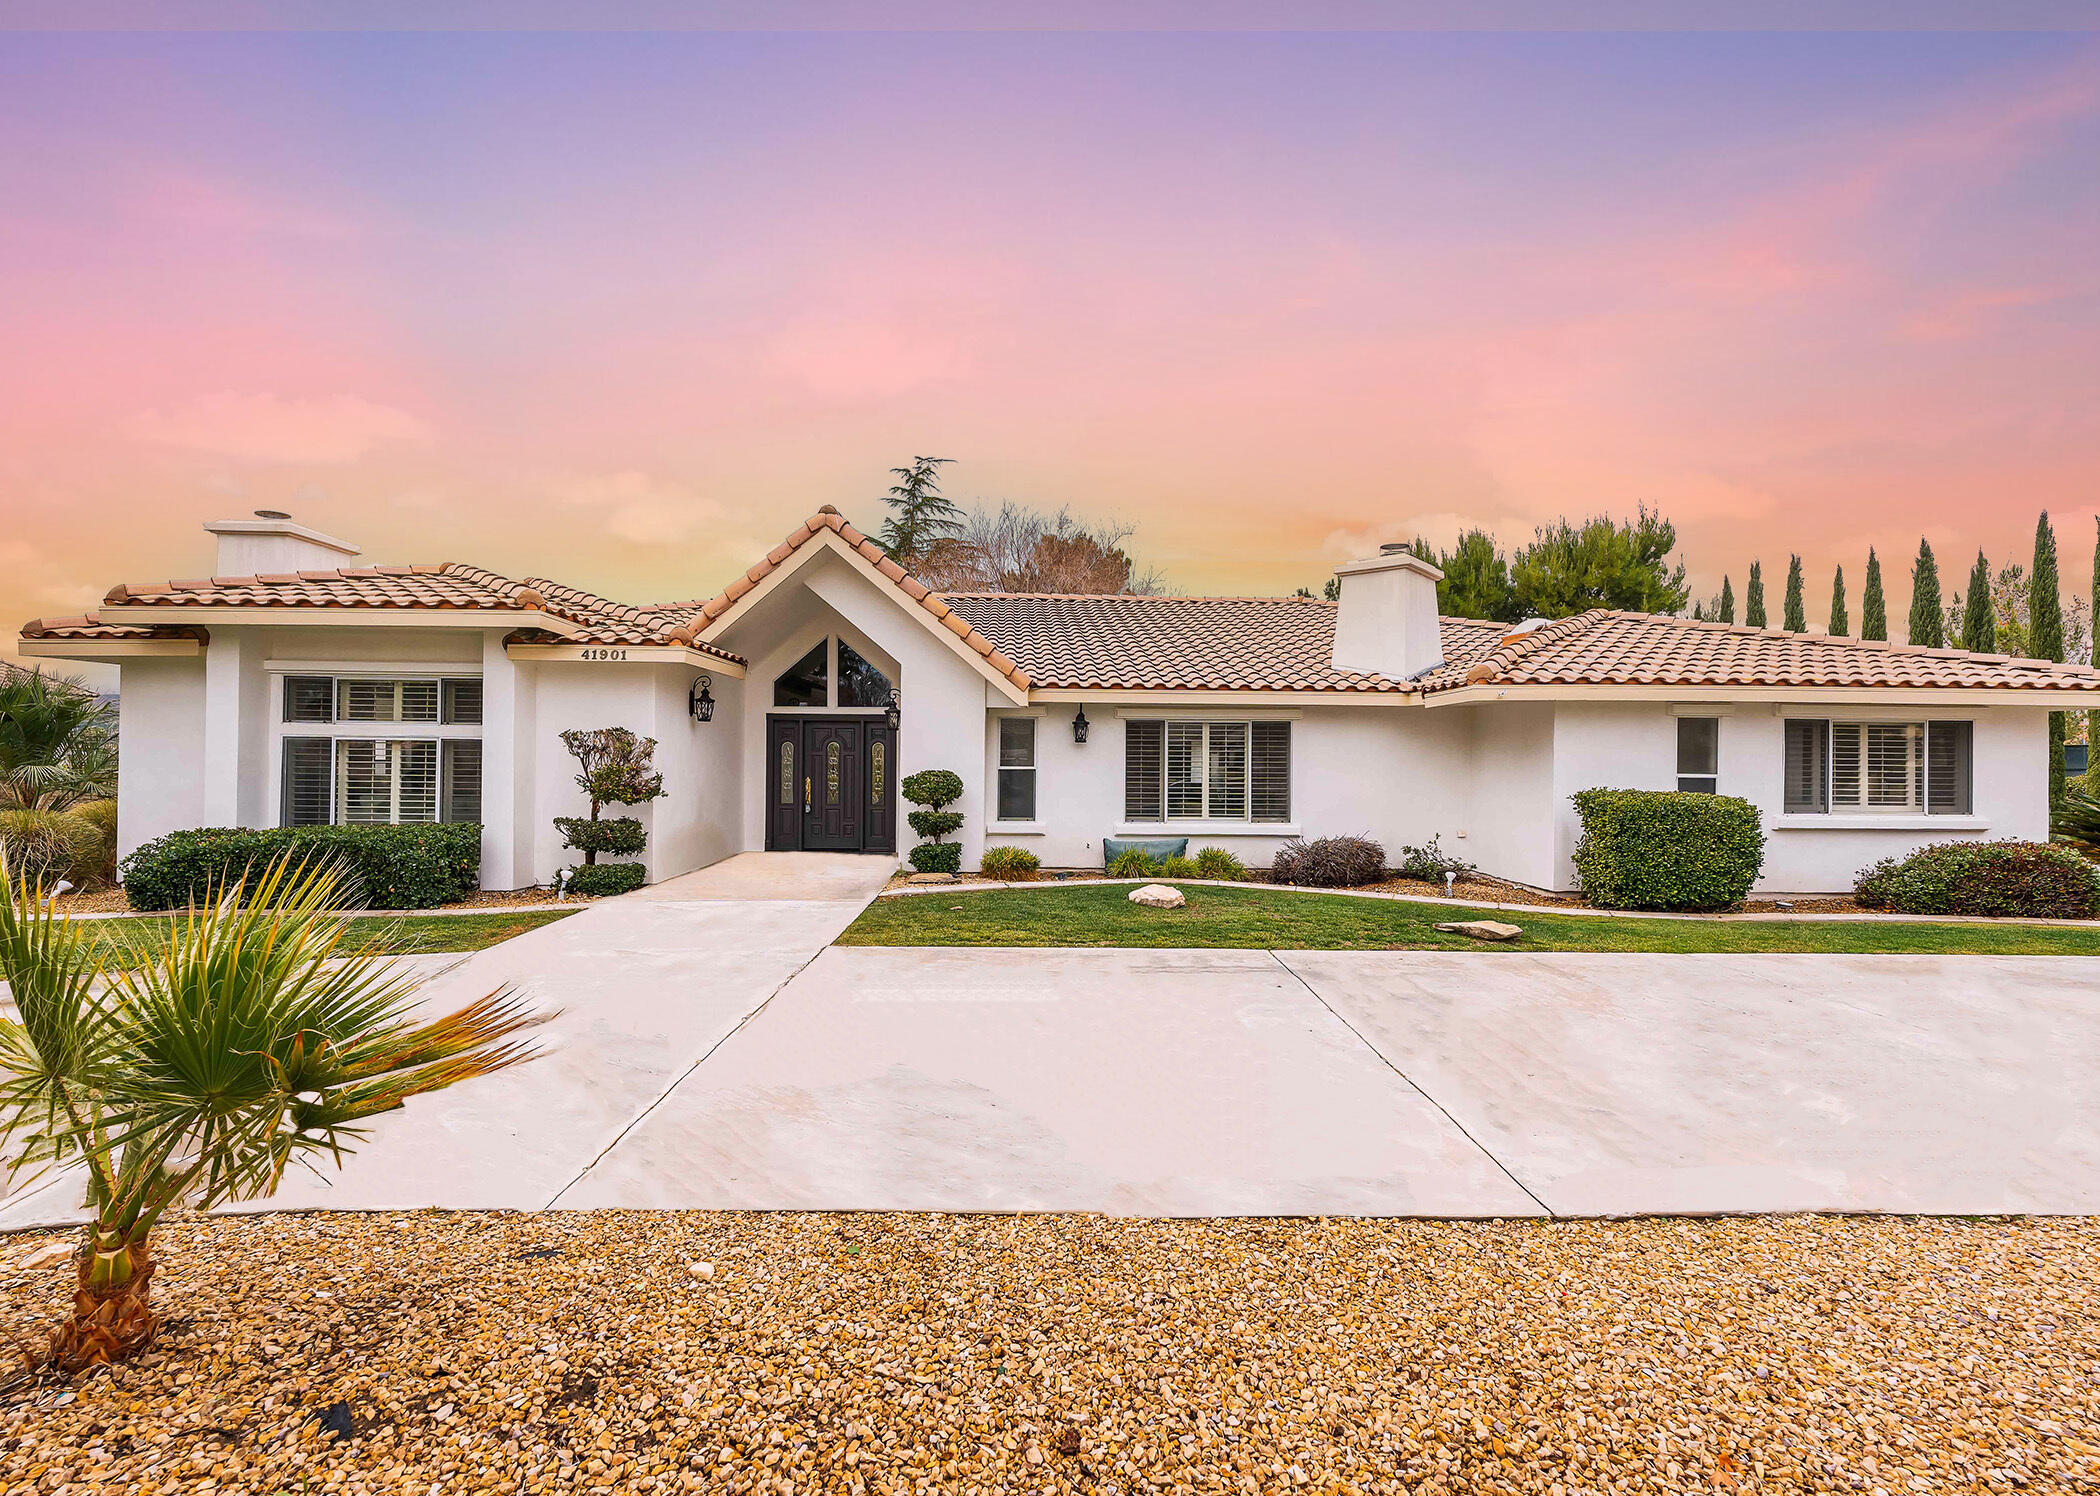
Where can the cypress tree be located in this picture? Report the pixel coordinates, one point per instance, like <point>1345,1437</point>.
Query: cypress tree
<point>2045,638</point>
<point>1754,598</point>
<point>2092,718</point>
<point>1979,621</point>
<point>1796,609</point>
<point>1840,620</point>
<point>1928,618</point>
<point>1873,606</point>
<point>1728,592</point>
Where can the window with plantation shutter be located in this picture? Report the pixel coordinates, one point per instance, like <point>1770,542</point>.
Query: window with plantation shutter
<point>1225,770</point>
<point>1948,747</point>
<point>306,781</point>
<point>386,783</point>
<point>1807,767</point>
<point>1144,747</point>
<point>386,700</point>
<point>1184,770</point>
<point>462,702</point>
<point>462,779</point>
<point>309,698</point>
<point>1271,776</point>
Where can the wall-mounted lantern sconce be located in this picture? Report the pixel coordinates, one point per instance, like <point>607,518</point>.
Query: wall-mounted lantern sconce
<point>892,714</point>
<point>1080,725</point>
<point>702,701</point>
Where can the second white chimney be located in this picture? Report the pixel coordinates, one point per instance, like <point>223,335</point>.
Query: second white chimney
<point>272,542</point>
<point>1385,622</point>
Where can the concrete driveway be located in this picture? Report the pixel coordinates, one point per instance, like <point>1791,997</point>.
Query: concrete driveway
<point>715,1052</point>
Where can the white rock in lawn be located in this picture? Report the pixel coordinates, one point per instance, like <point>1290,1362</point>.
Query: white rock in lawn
<point>1157,896</point>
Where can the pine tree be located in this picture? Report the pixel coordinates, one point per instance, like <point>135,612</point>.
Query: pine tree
<point>1928,621</point>
<point>2045,638</point>
<point>1728,595</point>
<point>1754,598</point>
<point>919,516</point>
<point>1873,605</point>
<point>1840,620</point>
<point>1979,620</point>
<point>1796,608</point>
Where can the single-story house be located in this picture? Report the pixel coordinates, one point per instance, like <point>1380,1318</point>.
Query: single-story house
<point>295,686</point>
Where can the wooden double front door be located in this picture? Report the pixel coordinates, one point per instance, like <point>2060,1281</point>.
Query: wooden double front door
<point>831,785</point>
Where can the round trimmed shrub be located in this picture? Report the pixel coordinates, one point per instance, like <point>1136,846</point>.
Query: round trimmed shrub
<point>1010,864</point>
<point>621,835</point>
<point>2034,880</point>
<point>1667,849</point>
<point>935,823</point>
<point>934,787</point>
<point>599,880</point>
<point>937,857</point>
<point>1329,862</point>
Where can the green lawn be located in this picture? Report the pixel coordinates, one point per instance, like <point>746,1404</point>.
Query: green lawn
<point>401,934</point>
<point>1263,918</point>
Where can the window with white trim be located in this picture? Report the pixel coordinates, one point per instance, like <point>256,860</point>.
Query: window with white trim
<point>1176,770</point>
<point>1878,768</point>
<point>1017,768</point>
<point>372,776</point>
<point>1699,754</point>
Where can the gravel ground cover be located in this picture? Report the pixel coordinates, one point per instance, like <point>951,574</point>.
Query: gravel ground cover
<point>639,1351</point>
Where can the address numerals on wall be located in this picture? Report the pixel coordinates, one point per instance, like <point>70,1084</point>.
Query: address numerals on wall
<point>602,654</point>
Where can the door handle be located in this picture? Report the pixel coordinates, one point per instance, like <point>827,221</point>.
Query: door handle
<point>805,794</point>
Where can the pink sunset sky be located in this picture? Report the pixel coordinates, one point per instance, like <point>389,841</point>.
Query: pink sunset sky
<point>622,309</point>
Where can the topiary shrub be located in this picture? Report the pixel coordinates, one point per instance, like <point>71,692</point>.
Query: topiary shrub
<point>937,857</point>
<point>1010,864</point>
<point>389,867</point>
<point>1135,863</point>
<point>2035,880</point>
<point>1329,862</point>
<point>620,835</point>
<point>1220,865</point>
<point>1429,863</point>
<point>599,880</point>
<point>1666,849</point>
<point>934,789</point>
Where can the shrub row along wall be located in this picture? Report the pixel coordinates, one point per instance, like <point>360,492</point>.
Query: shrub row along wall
<point>394,867</point>
<point>1666,849</point>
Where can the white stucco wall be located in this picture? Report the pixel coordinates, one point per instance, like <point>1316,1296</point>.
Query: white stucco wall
<point>160,723</point>
<point>1507,789</point>
<point>1633,745</point>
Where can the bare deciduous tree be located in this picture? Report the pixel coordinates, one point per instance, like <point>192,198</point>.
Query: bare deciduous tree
<point>1018,549</point>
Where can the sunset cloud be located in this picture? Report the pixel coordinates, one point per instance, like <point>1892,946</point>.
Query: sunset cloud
<point>251,427</point>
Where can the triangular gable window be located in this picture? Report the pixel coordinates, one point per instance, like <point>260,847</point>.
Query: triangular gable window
<point>807,681</point>
<point>860,683</point>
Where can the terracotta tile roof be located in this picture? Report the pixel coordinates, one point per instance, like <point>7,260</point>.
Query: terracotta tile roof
<point>1602,647</point>
<point>917,592</point>
<point>1184,643</point>
<point>448,586</point>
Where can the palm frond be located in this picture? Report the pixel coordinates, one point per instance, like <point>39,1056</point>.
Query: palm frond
<point>57,1056</point>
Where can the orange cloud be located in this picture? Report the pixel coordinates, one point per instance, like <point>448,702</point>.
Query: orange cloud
<point>252,427</point>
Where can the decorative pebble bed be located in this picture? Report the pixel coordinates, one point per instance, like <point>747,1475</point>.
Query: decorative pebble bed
<point>640,1351</point>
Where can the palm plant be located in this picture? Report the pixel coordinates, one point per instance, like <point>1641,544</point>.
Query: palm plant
<point>57,743</point>
<point>195,1076</point>
<point>2075,821</point>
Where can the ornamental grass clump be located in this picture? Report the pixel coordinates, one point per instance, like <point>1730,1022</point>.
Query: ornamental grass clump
<point>1010,864</point>
<point>259,1036</point>
<point>1667,849</point>
<point>2033,880</point>
<point>1220,866</point>
<point>1134,862</point>
<point>1329,862</point>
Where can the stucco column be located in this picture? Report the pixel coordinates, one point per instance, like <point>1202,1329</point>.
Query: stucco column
<point>506,767</point>
<point>235,732</point>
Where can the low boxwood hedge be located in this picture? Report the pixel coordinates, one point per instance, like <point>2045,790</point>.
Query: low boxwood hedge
<point>391,867</point>
<point>600,880</point>
<point>1666,849</point>
<point>2035,880</point>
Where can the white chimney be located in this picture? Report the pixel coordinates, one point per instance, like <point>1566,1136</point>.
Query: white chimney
<point>1385,622</point>
<point>271,542</point>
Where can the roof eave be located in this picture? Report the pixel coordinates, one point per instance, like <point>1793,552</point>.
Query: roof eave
<point>1977,696</point>
<point>279,615</point>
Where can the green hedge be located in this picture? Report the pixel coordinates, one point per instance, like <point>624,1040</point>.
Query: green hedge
<point>2001,878</point>
<point>1666,849</point>
<point>600,880</point>
<point>620,835</point>
<point>393,867</point>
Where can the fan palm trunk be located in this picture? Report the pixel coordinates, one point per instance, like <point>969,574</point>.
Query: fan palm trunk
<point>112,1317</point>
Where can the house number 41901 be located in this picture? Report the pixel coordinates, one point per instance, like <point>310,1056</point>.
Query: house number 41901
<point>604,654</point>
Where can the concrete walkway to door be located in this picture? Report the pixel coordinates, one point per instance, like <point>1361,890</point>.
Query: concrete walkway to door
<point>648,984</point>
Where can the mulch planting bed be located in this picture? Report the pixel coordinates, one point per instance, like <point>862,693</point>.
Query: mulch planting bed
<point>641,1351</point>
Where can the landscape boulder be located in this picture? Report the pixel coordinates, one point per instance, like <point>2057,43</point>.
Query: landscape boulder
<point>1482,929</point>
<point>1157,896</point>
